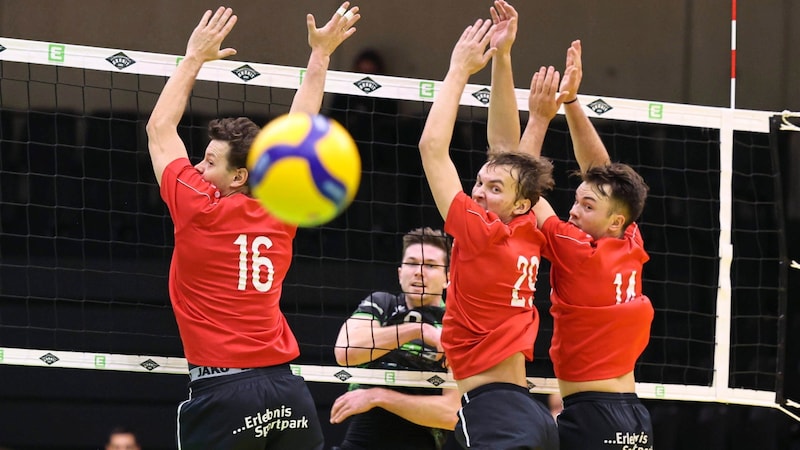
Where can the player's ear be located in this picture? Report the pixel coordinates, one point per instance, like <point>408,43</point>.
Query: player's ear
<point>617,222</point>
<point>239,177</point>
<point>522,206</point>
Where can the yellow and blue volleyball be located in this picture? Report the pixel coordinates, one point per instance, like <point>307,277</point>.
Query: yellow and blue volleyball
<point>304,169</point>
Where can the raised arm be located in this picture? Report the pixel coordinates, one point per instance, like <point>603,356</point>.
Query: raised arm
<point>323,42</point>
<point>435,411</point>
<point>469,56</point>
<point>163,140</point>
<point>542,210</point>
<point>543,103</point>
<point>589,149</point>
<point>362,339</point>
<point>503,129</point>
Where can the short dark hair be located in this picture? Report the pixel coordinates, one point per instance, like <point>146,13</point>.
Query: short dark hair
<point>427,235</point>
<point>628,190</point>
<point>239,132</point>
<point>534,175</point>
<point>122,430</point>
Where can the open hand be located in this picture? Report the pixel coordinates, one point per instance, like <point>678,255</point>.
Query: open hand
<point>337,30</point>
<point>351,403</point>
<point>505,19</point>
<point>545,99</point>
<point>470,53</point>
<point>573,72</point>
<point>206,39</point>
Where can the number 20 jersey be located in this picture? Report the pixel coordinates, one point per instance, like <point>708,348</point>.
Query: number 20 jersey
<point>490,313</point>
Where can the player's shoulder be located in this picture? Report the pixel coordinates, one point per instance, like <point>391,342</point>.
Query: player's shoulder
<point>382,298</point>
<point>634,232</point>
<point>554,227</point>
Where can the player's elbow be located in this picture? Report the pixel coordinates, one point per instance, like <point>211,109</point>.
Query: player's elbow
<point>341,356</point>
<point>431,145</point>
<point>450,420</point>
<point>153,126</point>
<point>448,417</point>
<point>158,124</point>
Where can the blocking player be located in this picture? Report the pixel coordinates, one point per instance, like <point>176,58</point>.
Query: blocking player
<point>230,261</point>
<point>490,323</point>
<point>601,318</point>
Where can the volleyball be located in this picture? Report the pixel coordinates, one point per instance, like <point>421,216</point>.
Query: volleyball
<point>304,169</point>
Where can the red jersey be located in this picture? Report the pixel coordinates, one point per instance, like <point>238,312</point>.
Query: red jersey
<point>601,319</point>
<point>226,275</point>
<point>489,314</point>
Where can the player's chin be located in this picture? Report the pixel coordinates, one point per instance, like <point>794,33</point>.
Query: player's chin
<point>415,296</point>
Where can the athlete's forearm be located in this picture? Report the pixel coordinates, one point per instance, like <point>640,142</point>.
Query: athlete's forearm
<point>308,98</point>
<point>502,128</point>
<point>363,344</point>
<point>589,148</point>
<point>435,411</point>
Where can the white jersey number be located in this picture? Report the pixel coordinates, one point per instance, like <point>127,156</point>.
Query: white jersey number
<point>630,293</point>
<point>529,269</point>
<point>257,262</point>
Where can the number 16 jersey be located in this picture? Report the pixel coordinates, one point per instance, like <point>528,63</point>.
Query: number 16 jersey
<point>226,275</point>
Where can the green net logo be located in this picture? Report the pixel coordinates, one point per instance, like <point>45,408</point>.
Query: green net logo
<point>2,354</point>
<point>302,75</point>
<point>426,89</point>
<point>99,361</point>
<point>390,377</point>
<point>655,111</point>
<point>295,369</point>
<point>55,52</point>
<point>661,392</point>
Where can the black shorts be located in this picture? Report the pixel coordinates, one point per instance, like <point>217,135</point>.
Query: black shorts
<point>604,421</point>
<point>263,408</point>
<point>504,416</point>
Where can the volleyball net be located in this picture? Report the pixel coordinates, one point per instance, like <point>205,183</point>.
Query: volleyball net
<point>86,240</point>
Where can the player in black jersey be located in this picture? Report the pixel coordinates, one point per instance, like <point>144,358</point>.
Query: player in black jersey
<point>400,331</point>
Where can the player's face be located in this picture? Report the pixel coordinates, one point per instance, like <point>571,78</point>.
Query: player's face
<point>122,441</point>
<point>423,274</point>
<point>593,212</point>
<point>495,190</point>
<point>214,166</point>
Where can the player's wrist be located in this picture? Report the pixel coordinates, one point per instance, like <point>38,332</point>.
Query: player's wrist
<point>377,399</point>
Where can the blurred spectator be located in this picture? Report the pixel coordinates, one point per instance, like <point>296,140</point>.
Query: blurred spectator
<point>355,112</point>
<point>122,438</point>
